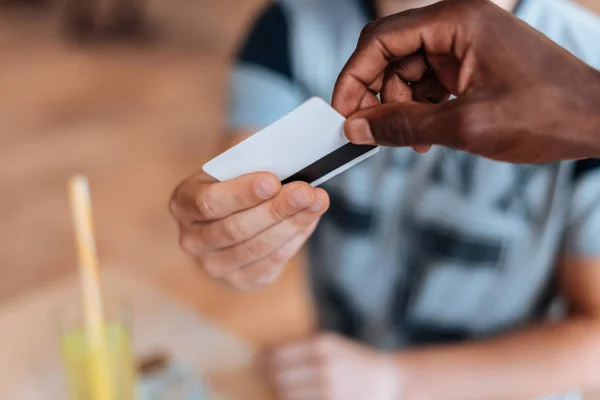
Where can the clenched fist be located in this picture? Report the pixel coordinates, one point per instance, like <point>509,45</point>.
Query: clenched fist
<point>243,231</point>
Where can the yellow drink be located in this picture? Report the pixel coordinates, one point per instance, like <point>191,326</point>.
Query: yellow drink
<point>81,361</point>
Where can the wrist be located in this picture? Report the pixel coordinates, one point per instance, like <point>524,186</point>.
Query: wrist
<point>576,111</point>
<point>596,110</point>
<point>588,120</point>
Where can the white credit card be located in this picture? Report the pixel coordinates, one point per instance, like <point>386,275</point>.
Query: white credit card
<point>308,144</point>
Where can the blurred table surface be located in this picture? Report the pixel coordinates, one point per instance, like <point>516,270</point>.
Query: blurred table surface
<point>29,337</point>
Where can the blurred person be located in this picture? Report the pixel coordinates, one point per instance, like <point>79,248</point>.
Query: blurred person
<point>434,275</point>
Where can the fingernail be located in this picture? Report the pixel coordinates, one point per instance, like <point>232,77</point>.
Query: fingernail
<point>358,131</point>
<point>266,188</point>
<point>299,199</point>
<point>317,205</point>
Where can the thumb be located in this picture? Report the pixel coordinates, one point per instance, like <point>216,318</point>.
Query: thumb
<point>404,124</point>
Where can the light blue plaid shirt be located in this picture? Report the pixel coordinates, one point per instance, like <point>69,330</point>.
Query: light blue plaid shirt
<point>434,248</point>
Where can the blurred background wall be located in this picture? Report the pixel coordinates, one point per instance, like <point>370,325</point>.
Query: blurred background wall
<point>136,113</point>
<point>136,108</point>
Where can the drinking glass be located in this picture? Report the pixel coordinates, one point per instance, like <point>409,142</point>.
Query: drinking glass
<point>80,357</point>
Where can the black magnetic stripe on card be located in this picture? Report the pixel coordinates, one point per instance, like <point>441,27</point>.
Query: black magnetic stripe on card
<point>330,162</point>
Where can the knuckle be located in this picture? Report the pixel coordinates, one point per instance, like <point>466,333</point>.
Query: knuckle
<point>365,31</point>
<point>205,205</point>
<point>232,230</point>
<point>173,207</point>
<point>302,220</point>
<point>368,30</point>
<point>369,40</point>
<point>242,199</point>
<point>178,196</point>
<point>188,243</point>
<point>212,267</point>
<point>276,211</point>
<point>258,247</point>
<point>176,200</point>
<point>277,258</point>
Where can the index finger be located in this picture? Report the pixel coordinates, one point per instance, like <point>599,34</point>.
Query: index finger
<point>202,199</point>
<point>384,41</point>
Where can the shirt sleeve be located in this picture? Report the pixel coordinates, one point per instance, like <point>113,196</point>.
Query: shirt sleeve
<point>262,88</point>
<point>582,236</point>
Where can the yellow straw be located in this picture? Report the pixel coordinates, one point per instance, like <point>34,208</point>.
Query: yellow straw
<point>81,210</point>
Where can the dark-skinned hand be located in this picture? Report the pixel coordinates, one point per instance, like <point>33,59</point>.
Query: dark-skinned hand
<point>520,97</point>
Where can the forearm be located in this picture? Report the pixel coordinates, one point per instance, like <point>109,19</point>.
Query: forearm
<point>534,362</point>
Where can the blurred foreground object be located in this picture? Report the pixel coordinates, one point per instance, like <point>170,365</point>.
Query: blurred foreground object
<point>198,349</point>
<point>80,359</point>
<point>90,365</point>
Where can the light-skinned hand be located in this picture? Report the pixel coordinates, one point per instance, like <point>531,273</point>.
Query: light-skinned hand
<point>243,231</point>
